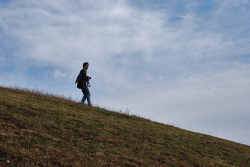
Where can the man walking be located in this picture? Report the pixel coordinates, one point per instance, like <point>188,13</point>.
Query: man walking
<point>82,83</point>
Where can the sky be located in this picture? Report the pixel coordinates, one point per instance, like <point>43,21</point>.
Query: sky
<point>182,63</point>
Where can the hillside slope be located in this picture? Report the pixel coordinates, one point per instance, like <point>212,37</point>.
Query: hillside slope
<point>43,130</point>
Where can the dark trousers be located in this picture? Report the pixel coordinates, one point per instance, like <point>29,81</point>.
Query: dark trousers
<point>86,95</point>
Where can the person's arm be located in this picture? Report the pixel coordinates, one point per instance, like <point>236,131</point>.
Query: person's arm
<point>79,76</point>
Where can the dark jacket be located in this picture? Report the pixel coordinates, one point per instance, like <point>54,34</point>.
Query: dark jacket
<point>81,79</point>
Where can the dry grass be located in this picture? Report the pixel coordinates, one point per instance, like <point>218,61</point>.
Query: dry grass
<point>45,130</point>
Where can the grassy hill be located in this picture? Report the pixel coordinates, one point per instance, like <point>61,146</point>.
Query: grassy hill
<point>44,130</point>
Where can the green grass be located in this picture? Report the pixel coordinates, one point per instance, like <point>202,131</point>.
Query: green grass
<point>45,130</point>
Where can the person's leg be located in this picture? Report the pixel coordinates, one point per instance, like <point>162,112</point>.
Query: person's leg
<point>88,95</point>
<point>84,96</point>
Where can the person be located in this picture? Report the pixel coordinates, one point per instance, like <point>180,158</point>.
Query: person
<point>82,82</point>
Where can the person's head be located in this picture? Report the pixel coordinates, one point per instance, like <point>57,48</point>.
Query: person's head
<point>85,65</point>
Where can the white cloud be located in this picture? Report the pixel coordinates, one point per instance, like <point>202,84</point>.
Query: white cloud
<point>179,71</point>
<point>47,34</point>
<point>52,31</point>
<point>56,74</point>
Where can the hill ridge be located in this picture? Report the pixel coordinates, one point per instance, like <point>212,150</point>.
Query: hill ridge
<point>39,129</point>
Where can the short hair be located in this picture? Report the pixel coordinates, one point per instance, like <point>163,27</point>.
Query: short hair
<point>85,63</point>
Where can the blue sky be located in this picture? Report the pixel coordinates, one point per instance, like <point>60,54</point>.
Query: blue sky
<point>184,63</point>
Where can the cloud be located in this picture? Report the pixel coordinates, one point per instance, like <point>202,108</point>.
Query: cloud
<point>56,74</point>
<point>54,30</point>
<point>174,62</point>
<point>125,29</point>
